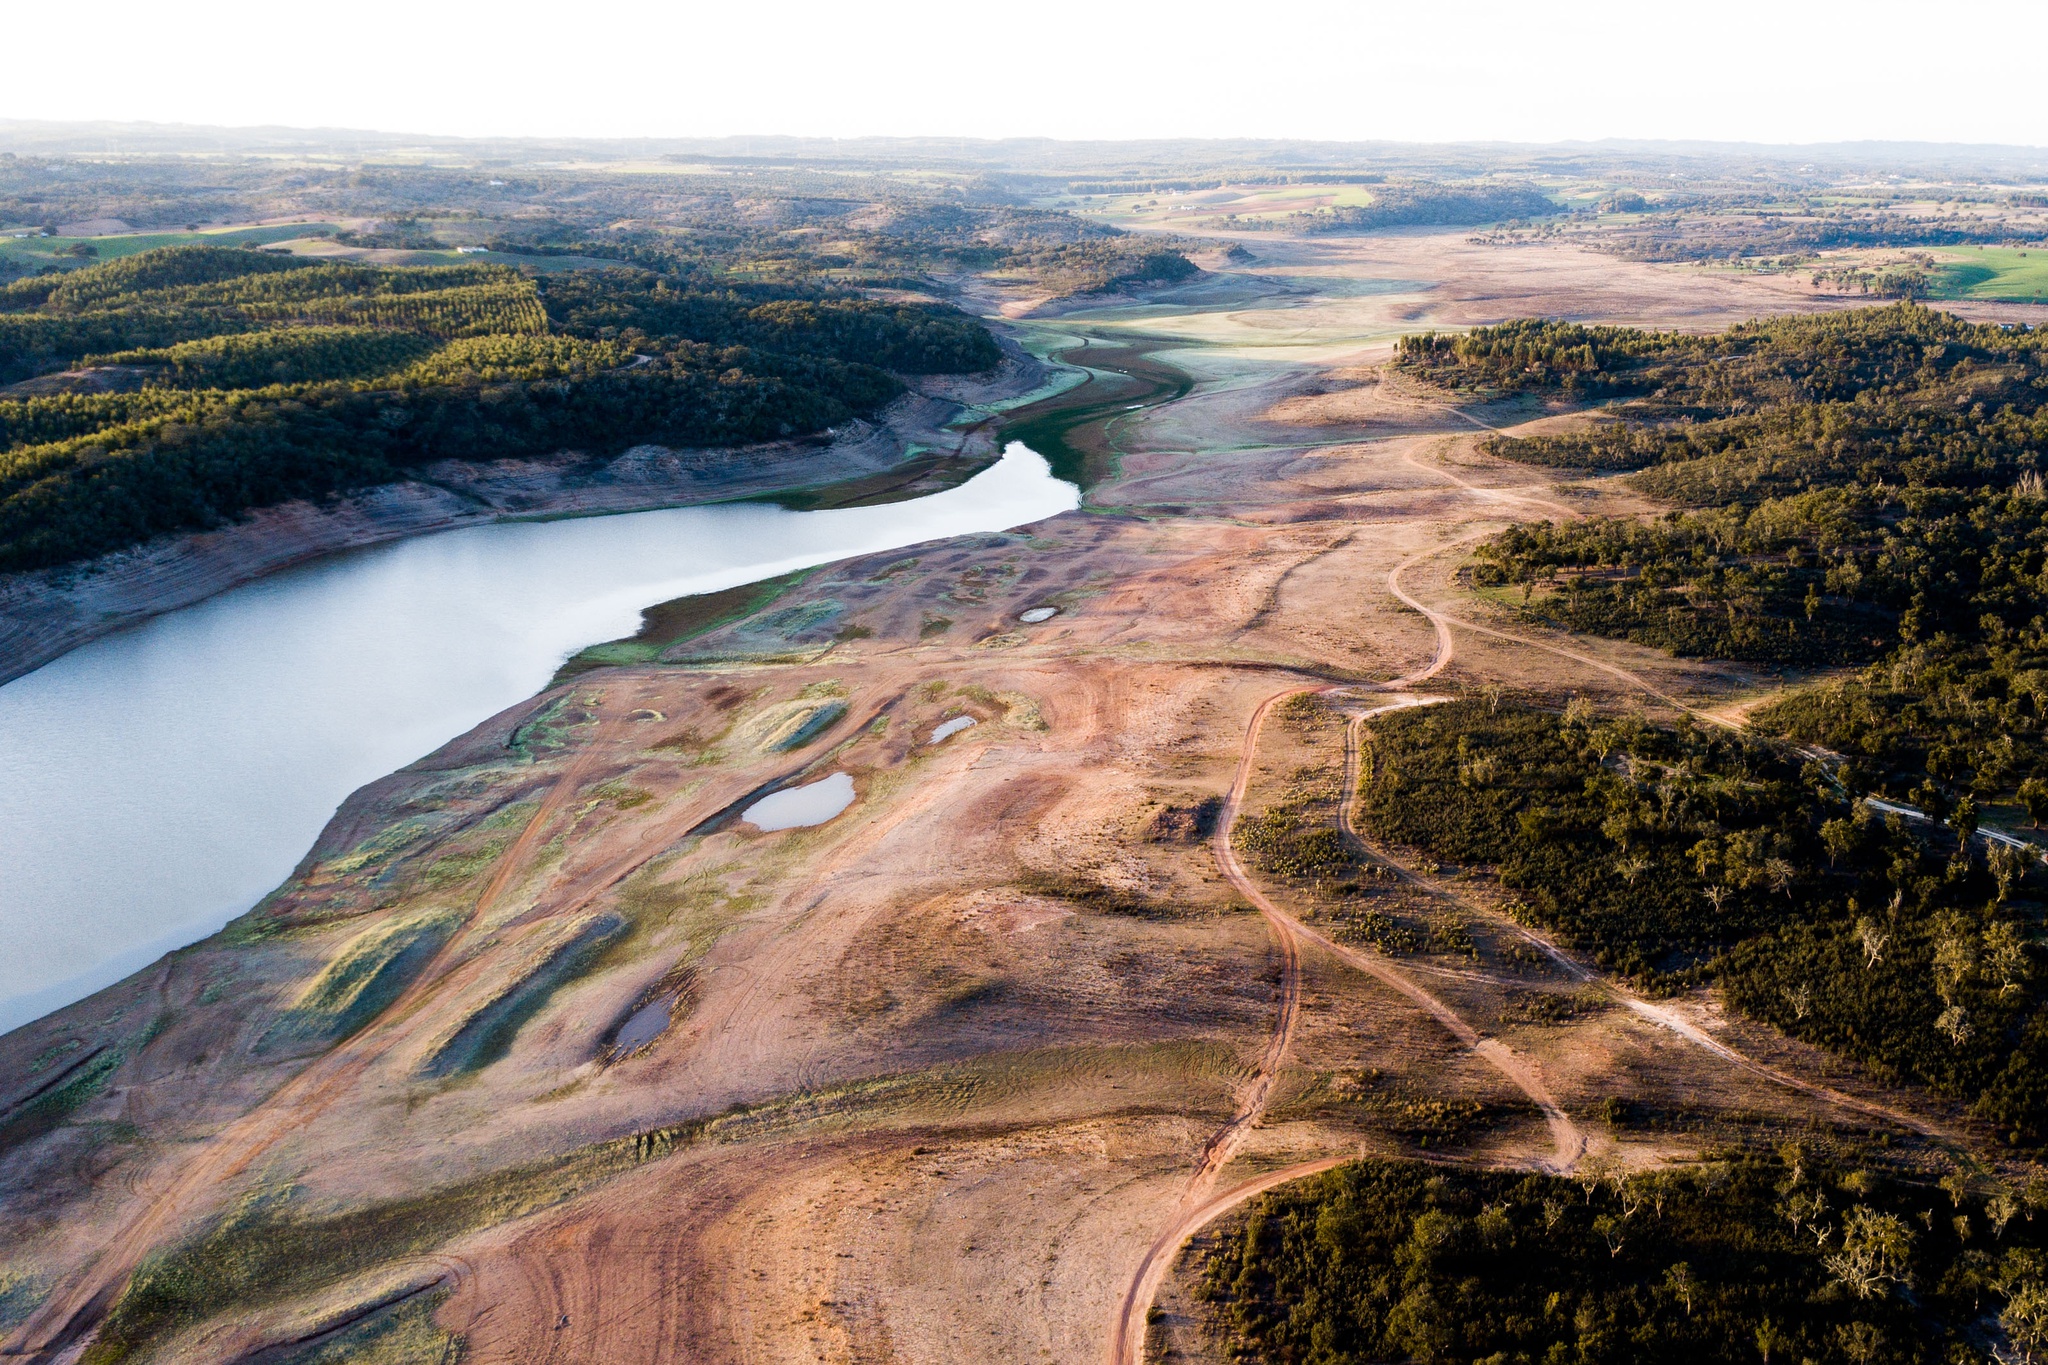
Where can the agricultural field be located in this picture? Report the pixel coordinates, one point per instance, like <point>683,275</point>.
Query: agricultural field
<point>2004,274</point>
<point>24,247</point>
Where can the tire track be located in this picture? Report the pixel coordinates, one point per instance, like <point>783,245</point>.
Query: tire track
<point>1660,1015</point>
<point>1197,1207</point>
<point>74,1310</point>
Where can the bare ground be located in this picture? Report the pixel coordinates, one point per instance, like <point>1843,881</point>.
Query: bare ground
<point>955,1076</point>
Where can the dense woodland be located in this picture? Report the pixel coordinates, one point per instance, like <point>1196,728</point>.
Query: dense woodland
<point>1745,1259</point>
<point>249,378</point>
<point>1798,231</point>
<point>1858,490</point>
<point>1678,856</point>
<point>1430,205</point>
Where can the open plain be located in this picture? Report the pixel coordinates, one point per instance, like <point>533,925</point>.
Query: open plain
<point>546,1052</point>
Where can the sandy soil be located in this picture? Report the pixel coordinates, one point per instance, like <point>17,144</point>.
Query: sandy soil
<point>956,1075</point>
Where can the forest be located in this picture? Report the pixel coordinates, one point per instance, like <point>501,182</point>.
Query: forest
<point>1780,1258</point>
<point>1854,491</point>
<point>1677,856</point>
<point>200,382</point>
<point>1857,490</point>
<point>1421,204</point>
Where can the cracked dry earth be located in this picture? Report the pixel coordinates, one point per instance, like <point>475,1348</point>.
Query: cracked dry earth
<point>951,1077</point>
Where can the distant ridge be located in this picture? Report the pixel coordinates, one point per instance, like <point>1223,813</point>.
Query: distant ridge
<point>1045,156</point>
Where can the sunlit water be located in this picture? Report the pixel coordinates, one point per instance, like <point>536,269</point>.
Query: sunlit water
<point>796,807</point>
<point>947,729</point>
<point>156,783</point>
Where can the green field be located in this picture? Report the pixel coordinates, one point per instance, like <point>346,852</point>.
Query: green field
<point>2014,274</point>
<point>41,251</point>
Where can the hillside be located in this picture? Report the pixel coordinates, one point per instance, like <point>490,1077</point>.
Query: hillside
<point>176,388</point>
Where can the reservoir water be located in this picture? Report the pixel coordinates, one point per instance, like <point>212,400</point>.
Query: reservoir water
<point>156,783</point>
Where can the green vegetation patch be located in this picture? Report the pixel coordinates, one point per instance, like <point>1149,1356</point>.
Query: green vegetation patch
<point>371,970</point>
<point>402,1334</point>
<point>20,1293</point>
<point>488,1033</point>
<point>1740,1260</point>
<point>1683,855</point>
<point>671,623</point>
<point>51,1106</point>
<point>1100,898</point>
<point>266,378</point>
<point>2004,274</point>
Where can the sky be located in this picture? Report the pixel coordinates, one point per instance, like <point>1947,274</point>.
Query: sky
<point>1513,70</point>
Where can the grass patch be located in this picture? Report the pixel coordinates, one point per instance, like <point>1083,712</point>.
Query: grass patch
<point>19,1295</point>
<point>1099,898</point>
<point>2011,274</point>
<point>370,972</point>
<point>487,1034</point>
<point>670,623</point>
<point>44,1111</point>
<point>403,1333</point>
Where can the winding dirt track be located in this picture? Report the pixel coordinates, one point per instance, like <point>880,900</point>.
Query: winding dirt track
<point>1658,1014</point>
<point>1198,1206</point>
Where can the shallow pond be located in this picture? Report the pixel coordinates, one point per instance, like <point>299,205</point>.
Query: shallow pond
<point>648,1022</point>
<point>796,807</point>
<point>945,730</point>
<point>157,782</point>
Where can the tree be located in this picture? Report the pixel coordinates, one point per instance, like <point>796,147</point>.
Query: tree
<point>1963,819</point>
<point>2025,1318</point>
<point>2034,796</point>
<point>1873,1252</point>
<point>2008,867</point>
<point>1679,1282</point>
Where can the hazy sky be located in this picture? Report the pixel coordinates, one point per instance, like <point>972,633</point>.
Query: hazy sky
<point>1754,70</point>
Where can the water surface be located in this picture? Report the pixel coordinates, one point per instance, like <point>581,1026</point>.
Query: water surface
<point>156,783</point>
<point>947,729</point>
<point>798,807</point>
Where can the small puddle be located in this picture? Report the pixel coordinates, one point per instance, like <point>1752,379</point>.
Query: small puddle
<point>798,806</point>
<point>647,1024</point>
<point>1037,614</point>
<point>951,728</point>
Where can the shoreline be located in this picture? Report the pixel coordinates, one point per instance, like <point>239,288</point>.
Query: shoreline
<point>45,614</point>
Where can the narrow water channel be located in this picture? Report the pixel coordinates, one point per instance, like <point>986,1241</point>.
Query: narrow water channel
<point>1076,430</point>
<point>156,783</point>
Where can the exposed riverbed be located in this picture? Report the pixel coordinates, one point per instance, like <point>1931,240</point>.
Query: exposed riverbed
<point>157,782</point>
